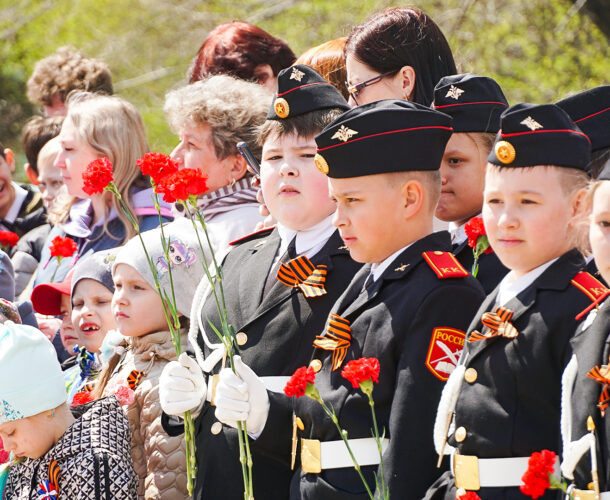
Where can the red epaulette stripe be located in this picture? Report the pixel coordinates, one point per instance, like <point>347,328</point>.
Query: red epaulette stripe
<point>588,285</point>
<point>467,103</point>
<point>248,236</point>
<point>591,116</point>
<point>568,131</point>
<point>302,86</point>
<point>445,265</point>
<point>385,133</point>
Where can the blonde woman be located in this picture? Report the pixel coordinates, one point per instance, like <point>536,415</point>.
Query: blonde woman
<point>98,126</point>
<point>210,117</point>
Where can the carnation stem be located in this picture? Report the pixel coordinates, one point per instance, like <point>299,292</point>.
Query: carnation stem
<point>384,487</point>
<point>343,434</point>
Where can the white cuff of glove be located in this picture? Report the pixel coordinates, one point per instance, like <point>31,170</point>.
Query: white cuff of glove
<point>182,387</point>
<point>242,397</point>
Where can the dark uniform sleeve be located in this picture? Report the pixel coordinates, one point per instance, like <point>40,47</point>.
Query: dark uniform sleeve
<point>410,460</point>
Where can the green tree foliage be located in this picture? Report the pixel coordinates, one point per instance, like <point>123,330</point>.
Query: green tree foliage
<point>539,50</point>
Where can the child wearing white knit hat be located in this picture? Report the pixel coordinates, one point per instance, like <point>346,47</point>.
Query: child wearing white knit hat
<point>52,448</point>
<point>133,372</point>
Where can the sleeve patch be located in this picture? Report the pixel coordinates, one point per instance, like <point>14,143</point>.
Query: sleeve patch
<point>445,348</point>
<point>445,265</point>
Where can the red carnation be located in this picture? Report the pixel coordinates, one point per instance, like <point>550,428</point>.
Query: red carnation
<point>297,384</point>
<point>469,495</point>
<point>475,228</point>
<point>4,455</point>
<point>97,176</point>
<point>62,247</point>
<point>8,239</point>
<point>362,373</point>
<point>157,165</point>
<point>182,185</point>
<point>81,398</point>
<point>537,477</point>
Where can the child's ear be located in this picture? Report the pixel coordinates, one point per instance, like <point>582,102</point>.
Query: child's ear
<point>413,196</point>
<point>32,176</point>
<point>10,159</point>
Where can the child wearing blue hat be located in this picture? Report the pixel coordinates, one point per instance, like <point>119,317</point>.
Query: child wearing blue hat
<point>80,454</point>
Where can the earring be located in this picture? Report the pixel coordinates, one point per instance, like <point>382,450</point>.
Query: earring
<point>233,181</point>
<point>52,412</point>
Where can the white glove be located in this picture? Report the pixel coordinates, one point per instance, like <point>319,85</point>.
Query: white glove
<point>182,387</point>
<point>242,396</point>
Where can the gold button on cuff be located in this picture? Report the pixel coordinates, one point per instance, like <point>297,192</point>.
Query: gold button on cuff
<point>216,428</point>
<point>241,338</point>
<point>316,364</point>
<point>460,434</point>
<point>470,375</point>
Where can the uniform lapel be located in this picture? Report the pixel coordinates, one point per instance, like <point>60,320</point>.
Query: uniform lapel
<point>252,280</point>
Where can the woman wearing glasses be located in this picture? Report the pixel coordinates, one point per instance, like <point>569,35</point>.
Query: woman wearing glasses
<point>399,53</point>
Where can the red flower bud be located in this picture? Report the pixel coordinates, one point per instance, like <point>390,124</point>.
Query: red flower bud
<point>62,247</point>
<point>97,176</point>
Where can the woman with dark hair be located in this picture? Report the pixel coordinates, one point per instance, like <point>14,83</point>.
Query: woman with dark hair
<point>241,50</point>
<point>399,53</point>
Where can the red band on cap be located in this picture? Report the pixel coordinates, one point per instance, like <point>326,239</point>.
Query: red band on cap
<point>384,133</point>
<point>302,86</point>
<point>591,116</point>
<point>467,103</point>
<point>514,134</point>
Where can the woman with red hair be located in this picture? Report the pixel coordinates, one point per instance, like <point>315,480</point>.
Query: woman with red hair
<point>244,51</point>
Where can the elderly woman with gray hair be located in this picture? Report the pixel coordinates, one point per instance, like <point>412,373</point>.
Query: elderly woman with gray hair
<point>210,117</point>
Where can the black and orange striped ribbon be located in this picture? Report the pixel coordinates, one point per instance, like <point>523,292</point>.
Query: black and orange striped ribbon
<point>597,374</point>
<point>134,378</point>
<point>498,323</point>
<point>338,338</point>
<point>301,273</point>
<point>54,474</point>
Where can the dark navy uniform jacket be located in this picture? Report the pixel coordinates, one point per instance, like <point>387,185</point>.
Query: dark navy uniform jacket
<point>491,270</point>
<point>512,407</point>
<point>395,320</point>
<point>280,330</point>
<point>591,346</point>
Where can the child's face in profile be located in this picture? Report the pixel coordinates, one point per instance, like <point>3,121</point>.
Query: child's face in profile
<point>91,313</point>
<point>73,158</point>
<point>295,191</point>
<point>527,215</point>
<point>368,216</point>
<point>463,179</point>
<point>49,183</point>
<point>66,330</point>
<point>29,437</point>
<point>599,229</point>
<point>7,192</point>
<point>136,305</point>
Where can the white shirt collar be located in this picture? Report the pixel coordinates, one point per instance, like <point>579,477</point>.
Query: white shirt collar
<point>378,269</point>
<point>20,196</point>
<point>308,242</point>
<point>458,233</point>
<point>510,286</point>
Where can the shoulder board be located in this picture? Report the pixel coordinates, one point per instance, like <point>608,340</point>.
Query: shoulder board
<point>592,288</point>
<point>445,265</point>
<point>252,236</point>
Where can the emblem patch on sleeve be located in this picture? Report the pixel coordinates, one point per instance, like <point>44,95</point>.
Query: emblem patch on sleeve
<point>444,352</point>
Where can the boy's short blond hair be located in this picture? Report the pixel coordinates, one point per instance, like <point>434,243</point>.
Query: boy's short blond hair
<point>48,153</point>
<point>233,108</point>
<point>64,71</point>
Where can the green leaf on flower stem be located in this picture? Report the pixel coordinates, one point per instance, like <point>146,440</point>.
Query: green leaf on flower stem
<point>482,244</point>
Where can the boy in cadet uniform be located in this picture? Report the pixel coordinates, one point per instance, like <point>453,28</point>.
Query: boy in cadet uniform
<point>475,103</point>
<point>590,111</point>
<point>408,307</point>
<point>504,396</point>
<point>279,284</point>
<point>584,423</point>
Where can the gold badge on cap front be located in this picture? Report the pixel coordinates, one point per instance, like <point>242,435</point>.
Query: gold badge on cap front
<point>320,163</point>
<point>281,107</point>
<point>505,152</point>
